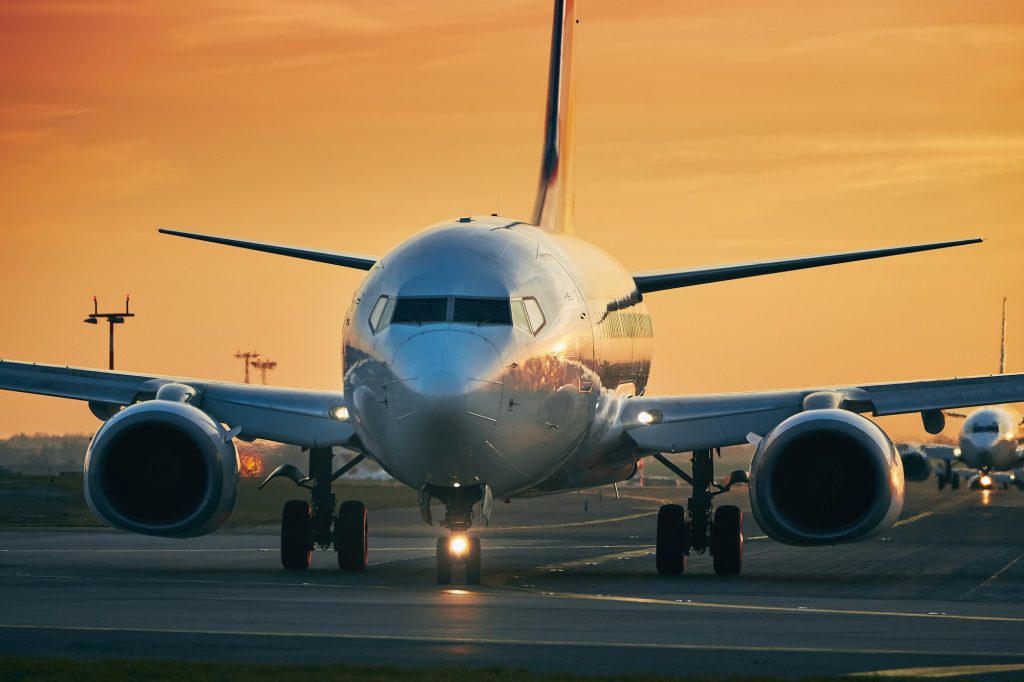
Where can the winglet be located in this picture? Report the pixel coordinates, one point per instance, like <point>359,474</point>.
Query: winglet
<point>554,206</point>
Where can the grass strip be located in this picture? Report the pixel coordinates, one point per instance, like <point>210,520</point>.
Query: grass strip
<point>44,669</point>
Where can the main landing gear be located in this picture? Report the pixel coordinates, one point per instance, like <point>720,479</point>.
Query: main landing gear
<point>458,551</point>
<point>947,477</point>
<point>696,528</point>
<point>305,525</point>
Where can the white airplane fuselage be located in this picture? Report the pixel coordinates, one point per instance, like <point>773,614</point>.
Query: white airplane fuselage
<point>445,391</point>
<point>989,440</point>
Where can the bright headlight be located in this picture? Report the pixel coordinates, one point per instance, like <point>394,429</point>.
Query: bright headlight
<point>340,412</point>
<point>986,480</point>
<point>650,417</point>
<point>458,545</point>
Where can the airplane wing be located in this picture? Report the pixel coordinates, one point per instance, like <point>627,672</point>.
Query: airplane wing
<point>945,453</point>
<point>1004,478</point>
<point>345,260</point>
<point>697,422</point>
<point>647,282</point>
<point>285,415</point>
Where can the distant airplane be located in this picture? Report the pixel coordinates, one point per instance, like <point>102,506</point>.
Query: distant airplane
<point>990,446</point>
<point>490,357</point>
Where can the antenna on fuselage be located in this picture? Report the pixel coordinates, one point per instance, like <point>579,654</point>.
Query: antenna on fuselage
<point>1002,342</point>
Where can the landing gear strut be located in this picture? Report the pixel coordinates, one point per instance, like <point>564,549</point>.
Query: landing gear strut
<point>306,525</point>
<point>457,550</point>
<point>947,476</point>
<point>700,528</point>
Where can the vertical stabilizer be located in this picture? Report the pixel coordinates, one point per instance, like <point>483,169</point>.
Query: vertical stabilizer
<point>1002,342</point>
<point>553,210</point>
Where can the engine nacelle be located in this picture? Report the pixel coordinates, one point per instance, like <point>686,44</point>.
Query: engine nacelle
<point>162,468</point>
<point>915,466</point>
<point>826,476</point>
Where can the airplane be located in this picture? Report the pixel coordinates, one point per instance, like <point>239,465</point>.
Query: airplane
<point>489,358</point>
<point>991,446</point>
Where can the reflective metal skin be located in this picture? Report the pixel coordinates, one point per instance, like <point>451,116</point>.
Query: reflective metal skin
<point>444,403</point>
<point>990,440</point>
<point>826,476</point>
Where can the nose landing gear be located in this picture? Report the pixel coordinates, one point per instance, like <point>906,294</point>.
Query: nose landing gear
<point>306,525</point>
<point>948,476</point>
<point>457,550</point>
<point>697,528</point>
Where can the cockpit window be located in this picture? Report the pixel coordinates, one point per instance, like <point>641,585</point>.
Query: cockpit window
<point>378,312</point>
<point>419,310</point>
<point>519,318</point>
<point>534,313</point>
<point>985,428</point>
<point>482,311</point>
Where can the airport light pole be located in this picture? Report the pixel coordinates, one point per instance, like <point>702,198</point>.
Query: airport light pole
<point>263,365</point>
<point>111,318</point>
<point>248,357</point>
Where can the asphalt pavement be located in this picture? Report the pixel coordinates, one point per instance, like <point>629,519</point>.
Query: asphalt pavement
<point>569,584</point>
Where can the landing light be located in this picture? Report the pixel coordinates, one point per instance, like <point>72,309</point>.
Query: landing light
<point>340,412</point>
<point>457,546</point>
<point>650,417</point>
<point>986,480</point>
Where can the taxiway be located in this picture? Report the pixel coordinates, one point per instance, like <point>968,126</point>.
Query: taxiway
<point>569,584</point>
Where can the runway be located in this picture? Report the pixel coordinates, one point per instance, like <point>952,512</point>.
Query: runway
<point>569,584</point>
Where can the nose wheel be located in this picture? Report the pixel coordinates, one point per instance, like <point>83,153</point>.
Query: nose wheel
<point>458,551</point>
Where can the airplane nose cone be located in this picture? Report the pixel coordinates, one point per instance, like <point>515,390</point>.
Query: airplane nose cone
<point>442,383</point>
<point>446,400</point>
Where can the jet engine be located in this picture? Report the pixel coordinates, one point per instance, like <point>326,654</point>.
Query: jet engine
<point>162,468</point>
<point>915,466</point>
<point>824,477</point>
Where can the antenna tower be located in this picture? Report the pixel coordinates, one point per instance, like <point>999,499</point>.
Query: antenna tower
<point>247,357</point>
<point>264,365</point>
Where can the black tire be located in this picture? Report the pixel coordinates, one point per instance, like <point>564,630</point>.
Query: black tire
<point>727,540</point>
<point>444,562</point>
<point>942,482</point>
<point>473,561</point>
<point>297,535</point>
<point>672,541</point>
<point>351,532</point>
<point>955,483</point>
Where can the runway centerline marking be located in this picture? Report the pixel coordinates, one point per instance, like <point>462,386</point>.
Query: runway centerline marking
<point>426,639</point>
<point>944,671</point>
<point>991,579</point>
<point>912,519</point>
<point>594,522</point>
<point>925,514</point>
<point>655,601</point>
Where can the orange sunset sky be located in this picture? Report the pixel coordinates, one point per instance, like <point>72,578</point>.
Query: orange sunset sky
<point>707,132</point>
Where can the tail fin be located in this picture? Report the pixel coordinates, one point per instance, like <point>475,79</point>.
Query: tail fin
<point>554,207</point>
<point>1002,342</point>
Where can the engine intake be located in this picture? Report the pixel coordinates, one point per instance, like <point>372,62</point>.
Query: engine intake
<point>162,468</point>
<point>825,477</point>
<point>915,466</point>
